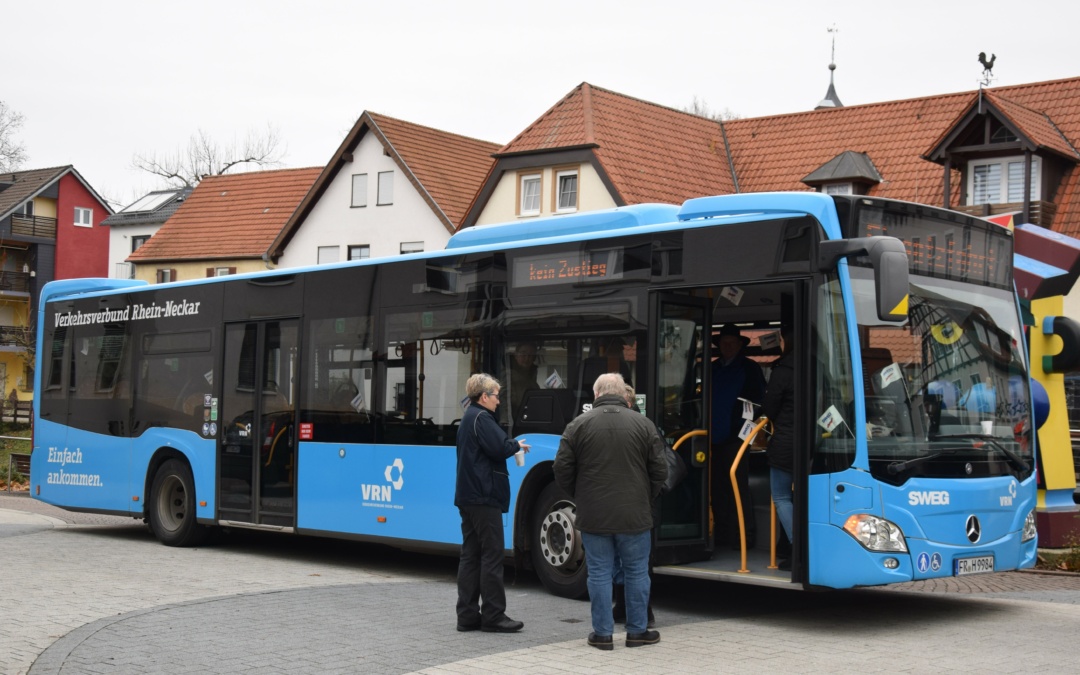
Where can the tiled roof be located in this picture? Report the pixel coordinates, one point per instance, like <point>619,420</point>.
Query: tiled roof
<point>445,168</point>
<point>22,185</point>
<point>650,153</point>
<point>449,167</point>
<point>657,154</point>
<point>228,217</point>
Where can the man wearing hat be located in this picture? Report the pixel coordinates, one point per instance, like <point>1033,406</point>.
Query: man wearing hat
<point>734,376</point>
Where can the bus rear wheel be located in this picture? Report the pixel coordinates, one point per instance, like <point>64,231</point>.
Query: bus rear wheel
<point>172,505</point>
<point>557,552</point>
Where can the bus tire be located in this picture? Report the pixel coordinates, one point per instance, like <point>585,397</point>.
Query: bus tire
<point>558,555</point>
<point>172,505</point>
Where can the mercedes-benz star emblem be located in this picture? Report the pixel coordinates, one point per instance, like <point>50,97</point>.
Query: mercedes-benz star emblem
<point>973,529</point>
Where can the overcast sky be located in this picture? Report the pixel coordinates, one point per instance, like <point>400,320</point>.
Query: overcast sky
<point>98,82</point>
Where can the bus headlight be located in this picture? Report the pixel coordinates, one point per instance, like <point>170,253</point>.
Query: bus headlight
<point>876,534</point>
<point>1029,527</point>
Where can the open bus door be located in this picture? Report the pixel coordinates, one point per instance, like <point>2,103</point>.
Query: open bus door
<point>679,333</point>
<point>257,449</point>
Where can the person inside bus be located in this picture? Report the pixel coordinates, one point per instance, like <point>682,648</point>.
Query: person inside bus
<point>523,368</point>
<point>734,376</point>
<point>611,360</point>
<point>779,407</point>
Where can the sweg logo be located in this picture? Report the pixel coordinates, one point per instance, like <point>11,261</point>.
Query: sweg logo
<point>382,493</point>
<point>936,497</point>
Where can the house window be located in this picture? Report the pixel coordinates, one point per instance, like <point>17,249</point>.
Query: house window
<point>138,241</point>
<point>1001,181</point>
<point>164,276</point>
<point>220,271</point>
<point>386,188</point>
<point>566,185</point>
<point>84,217</point>
<point>28,378</point>
<point>27,209</point>
<point>412,247</point>
<point>529,205</point>
<point>362,252</point>
<point>329,254</point>
<point>838,189</point>
<point>359,190</point>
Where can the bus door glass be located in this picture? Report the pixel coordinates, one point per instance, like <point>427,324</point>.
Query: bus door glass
<point>258,448</point>
<point>678,408</point>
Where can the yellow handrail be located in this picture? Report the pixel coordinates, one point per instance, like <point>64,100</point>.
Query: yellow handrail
<point>738,498</point>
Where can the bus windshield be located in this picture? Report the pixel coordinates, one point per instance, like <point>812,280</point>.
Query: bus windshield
<point>947,392</point>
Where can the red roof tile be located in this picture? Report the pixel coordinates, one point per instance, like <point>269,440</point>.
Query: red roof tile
<point>650,153</point>
<point>229,217</point>
<point>657,154</point>
<point>448,167</point>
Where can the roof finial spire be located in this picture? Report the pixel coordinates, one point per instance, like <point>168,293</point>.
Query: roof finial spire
<point>831,100</point>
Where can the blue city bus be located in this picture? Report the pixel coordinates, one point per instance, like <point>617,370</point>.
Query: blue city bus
<point>325,400</point>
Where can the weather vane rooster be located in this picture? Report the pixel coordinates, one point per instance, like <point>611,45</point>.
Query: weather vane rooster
<point>988,66</point>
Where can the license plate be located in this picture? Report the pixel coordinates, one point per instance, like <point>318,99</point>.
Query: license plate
<point>984,563</point>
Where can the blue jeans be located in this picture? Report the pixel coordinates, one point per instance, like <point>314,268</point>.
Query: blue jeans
<point>780,485</point>
<point>633,552</point>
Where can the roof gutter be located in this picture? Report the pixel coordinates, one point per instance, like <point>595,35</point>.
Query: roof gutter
<point>727,151</point>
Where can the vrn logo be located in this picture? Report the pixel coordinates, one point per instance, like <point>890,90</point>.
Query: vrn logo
<point>374,492</point>
<point>928,497</point>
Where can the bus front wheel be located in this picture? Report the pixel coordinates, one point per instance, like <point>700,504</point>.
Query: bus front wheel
<point>172,505</point>
<point>557,553</point>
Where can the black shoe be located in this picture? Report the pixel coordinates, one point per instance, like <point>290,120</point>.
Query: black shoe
<point>466,627</point>
<point>503,625</point>
<point>601,642</point>
<point>784,565</point>
<point>649,637</point>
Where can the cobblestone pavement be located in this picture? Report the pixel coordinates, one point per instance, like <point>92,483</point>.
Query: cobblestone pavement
<point>85,593</point>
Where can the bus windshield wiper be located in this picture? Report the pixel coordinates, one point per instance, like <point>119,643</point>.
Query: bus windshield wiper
<point>1013,458</point>
<point>896,467</point>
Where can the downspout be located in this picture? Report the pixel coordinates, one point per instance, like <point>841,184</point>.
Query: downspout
<point>727,151</point>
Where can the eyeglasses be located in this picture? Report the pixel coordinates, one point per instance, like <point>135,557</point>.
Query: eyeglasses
<point>495,395</point>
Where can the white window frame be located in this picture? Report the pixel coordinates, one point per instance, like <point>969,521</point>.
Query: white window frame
<point>359,191</point>
<point>365,249</point>
<point>386,189</point>
<point>408,247</point>
<point>222,271</point>
<point>1003,177</point>
<point>559,176</point>
<point>523,182</point>
<point>327,255</point>
<point>84,217</point>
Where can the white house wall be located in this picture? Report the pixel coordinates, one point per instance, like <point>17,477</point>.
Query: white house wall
<point>120,243</point>
<point>334,222</point>
<point>502,206</point>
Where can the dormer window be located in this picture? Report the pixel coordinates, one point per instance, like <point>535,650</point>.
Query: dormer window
<point>1001,180</point>
<point>838,189</point>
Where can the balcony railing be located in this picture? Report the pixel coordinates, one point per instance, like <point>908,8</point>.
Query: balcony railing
<point>33,226</point>
<point>18,282</point>
<point>1042,212</point>
<point>16,336</point>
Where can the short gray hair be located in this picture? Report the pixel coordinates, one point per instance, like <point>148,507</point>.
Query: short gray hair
<point>481,383</point>
<point>610,384</point>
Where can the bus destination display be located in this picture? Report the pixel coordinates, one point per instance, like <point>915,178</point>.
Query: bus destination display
<point>946,250</point>
<point>567,268</point>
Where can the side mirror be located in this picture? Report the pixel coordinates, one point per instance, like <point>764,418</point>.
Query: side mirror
<point>888,257</point>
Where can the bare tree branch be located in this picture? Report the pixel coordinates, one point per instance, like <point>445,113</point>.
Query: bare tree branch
<point>701,109</point>
<point>204,156</point>
<point>12,154</point>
